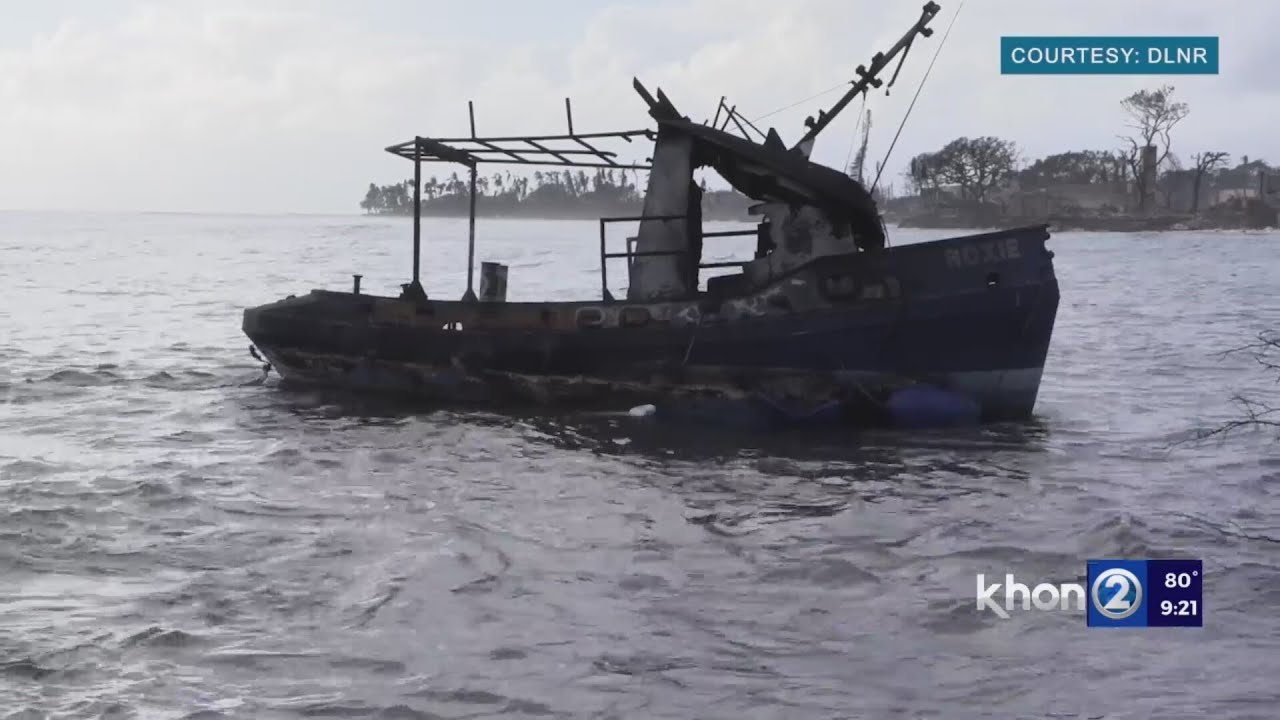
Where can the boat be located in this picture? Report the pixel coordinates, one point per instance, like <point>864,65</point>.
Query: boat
<point>826,321</point>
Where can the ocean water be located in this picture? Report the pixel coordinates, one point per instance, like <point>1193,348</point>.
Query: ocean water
<point>180,539</point>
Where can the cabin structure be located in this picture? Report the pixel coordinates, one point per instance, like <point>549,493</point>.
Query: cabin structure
<point>806,210</point>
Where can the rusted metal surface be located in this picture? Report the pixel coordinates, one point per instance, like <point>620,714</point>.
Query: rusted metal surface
<point>459,384</point>
<point>830,283</point>
<point>531,150</point>
<point>658,272</point>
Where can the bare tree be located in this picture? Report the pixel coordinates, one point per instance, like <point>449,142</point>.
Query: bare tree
<point>1152,115</point>
<point>1206,162</point>
<point>1256,414</point>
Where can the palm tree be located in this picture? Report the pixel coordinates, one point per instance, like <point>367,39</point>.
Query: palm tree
<point>372,199</point>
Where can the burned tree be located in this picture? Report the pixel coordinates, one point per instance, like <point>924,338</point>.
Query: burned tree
<point>974,166</point>
<point>1255,414</point>
<point>1071,168</point>
<point>922,174</point>
<point>1206,162</point>
<point>1152,115</point>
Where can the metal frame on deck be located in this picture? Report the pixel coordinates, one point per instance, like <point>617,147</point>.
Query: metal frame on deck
<point>528,150</point>
<point>731,114</point>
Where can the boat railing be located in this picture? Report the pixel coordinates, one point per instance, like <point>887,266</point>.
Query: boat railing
<point>631,254</point>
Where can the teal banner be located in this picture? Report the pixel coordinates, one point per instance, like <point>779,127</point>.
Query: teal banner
<point>1117,55</point>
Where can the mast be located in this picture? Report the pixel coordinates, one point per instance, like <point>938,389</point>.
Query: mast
<point>867,78</point>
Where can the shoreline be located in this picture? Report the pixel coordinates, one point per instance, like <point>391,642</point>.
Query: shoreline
<point>540,214</point>
<point>1125,226</point>
<point>1128,225</point>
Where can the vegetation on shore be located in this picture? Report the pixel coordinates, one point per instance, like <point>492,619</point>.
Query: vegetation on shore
<point>969,182</point>
<point>981,180</point>
<point>562,194</point>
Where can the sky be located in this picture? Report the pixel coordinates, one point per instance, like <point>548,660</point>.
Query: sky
<point>265,106</point>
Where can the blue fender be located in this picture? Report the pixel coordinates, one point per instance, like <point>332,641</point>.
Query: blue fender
<point>925,406</point>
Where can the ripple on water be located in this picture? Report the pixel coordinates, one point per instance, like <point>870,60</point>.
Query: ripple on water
<point>179,536</point>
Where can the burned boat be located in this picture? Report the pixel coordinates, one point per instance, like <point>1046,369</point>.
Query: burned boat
<point>827,317</point>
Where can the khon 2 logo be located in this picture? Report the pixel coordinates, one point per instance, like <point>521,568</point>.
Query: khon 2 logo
<point>1115,594</point>
<point>1119,593</point>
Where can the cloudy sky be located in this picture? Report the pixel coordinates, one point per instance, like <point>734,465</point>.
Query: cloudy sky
<point>285,105</point>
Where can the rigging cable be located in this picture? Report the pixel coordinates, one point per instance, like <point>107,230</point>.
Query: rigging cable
<point>910,107</point>
<point>831,89</point>
<point>862,113</point>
